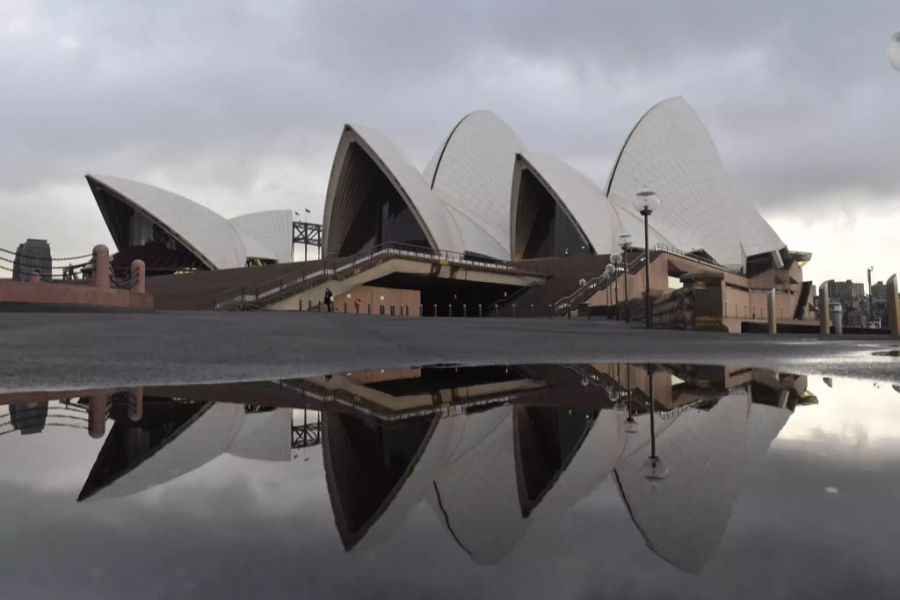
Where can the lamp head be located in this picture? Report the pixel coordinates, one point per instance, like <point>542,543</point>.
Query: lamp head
<point>615,259</point>
<point>646,202</point>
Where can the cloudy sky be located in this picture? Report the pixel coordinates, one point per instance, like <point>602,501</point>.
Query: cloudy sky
<point>239,105</point>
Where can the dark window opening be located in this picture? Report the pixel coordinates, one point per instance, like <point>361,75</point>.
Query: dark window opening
<point>544,229</point>
<point>377,212</point>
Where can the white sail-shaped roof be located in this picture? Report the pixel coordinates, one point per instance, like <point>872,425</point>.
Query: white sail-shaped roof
<point>684,516</point>
<point>473,168</point>
<point>272,229</point>
<point>670,152</point>
<point>215,241</point>
<point>205,233</point>
<point>264,436</point>
<point>593,462</point>
<point>205,438</point>
<point>476,496</point>
<point>415,485</point>
<point>341,203</point>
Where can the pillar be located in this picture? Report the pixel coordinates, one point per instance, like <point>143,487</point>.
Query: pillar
<point>893,306</point>
<point>138,276</point>
<point>824,310</point>
<point>100,260</point>
<point>773,320</point>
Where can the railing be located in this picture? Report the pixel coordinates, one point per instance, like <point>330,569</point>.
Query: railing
<point>278,288</point>
<point>76,267</point>
<point>707,261</point>
<point>603,281</point>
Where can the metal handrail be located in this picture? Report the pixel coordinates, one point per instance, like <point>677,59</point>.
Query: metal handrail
<point>238,296</point>
<point>601,282</point>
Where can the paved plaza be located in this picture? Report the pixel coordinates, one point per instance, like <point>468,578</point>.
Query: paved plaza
<point>77,350</point>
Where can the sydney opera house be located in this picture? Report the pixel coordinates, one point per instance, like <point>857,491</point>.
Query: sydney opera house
<point>506,447</point>
<point>489,204</point>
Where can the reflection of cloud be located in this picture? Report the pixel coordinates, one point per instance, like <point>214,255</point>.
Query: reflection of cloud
<point>852,414</point>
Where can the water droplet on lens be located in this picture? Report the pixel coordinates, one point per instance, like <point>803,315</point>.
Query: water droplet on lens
<point>894,51</point>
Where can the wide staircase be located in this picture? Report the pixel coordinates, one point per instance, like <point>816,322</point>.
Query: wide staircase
<point>565,275</point>
<point>251,288</point>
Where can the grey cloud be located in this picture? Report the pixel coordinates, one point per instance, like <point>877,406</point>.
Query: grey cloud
<point>799,98</point>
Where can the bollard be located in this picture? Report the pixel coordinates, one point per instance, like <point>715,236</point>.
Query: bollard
<point>421,311</point>
<point>368,308</point>
<point>532,311</point>
<point>138,276</point>
<point>479,310</point>
<point>837,319</point>
<point>449,310</point>
<point>568,312</point>
<point>465,311</point>
<point>435,310</point>
<point>773,322</point>
<point>319,305</point>
<point>100,274</point>
<point>309,305</point>
<point>345,308</point>
<point>893,306</point>
<point>514,310</point>
<point>824,316</point>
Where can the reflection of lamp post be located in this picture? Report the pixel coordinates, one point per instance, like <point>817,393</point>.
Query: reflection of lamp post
<point>615,259</point>
<point>625,244</point>
<point>653,468</point>
<point>609,274</point>
<point>645,202</point>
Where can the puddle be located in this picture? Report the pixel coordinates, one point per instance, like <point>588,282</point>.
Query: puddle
<point>405,481</point>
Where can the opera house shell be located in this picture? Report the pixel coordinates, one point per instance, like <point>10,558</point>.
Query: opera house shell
<point>171,233</point>
<point>485,194</point>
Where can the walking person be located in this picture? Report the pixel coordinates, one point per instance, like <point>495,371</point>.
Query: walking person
<point>329,300</point>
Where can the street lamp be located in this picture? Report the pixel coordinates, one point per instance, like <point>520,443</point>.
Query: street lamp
<point>645,202</point>
<point>625,244</point>
<point>616,260</point>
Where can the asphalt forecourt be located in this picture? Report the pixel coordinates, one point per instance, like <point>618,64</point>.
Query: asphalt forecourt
<point>76,350</point>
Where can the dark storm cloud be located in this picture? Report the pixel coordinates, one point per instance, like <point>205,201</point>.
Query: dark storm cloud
<point>228,96</point>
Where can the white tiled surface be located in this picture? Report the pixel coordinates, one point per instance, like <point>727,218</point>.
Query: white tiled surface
<point>201,229</point>
<point>476,172</point>
<point>272,230</point>
<point>671,153</point>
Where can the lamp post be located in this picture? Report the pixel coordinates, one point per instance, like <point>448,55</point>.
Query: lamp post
<point>653,468</point>
<point>608,271</point>
<point>616,259</point>
<point>625,244</point>
<point>645,202</point>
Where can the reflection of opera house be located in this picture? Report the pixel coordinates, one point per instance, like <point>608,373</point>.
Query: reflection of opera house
<point>485,204</point>
<point>489,449</point>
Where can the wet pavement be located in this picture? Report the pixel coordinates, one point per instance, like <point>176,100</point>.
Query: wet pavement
<point>58,351</point>
<point>526,480</point>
